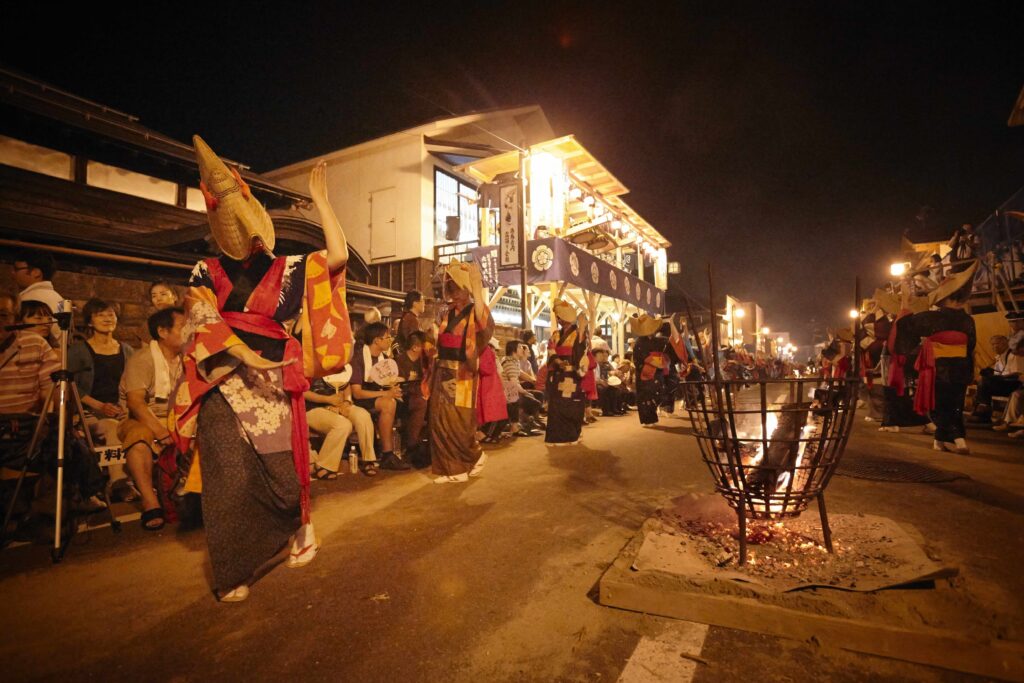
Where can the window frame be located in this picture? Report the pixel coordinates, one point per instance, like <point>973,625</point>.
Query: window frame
<point>438,241</point>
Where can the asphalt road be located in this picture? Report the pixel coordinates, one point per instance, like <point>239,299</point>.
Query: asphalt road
<point>494,580</point>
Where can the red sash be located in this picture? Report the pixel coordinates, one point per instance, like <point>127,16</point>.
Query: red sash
<point>655,362</point>
<point>897,377</point>
<point>450,340</point>
<point>924,400</point>
<point>295,383</point>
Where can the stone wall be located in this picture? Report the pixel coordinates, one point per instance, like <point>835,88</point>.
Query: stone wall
<point>130,297</point>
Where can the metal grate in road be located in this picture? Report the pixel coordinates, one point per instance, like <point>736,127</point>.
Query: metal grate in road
<point>898,471</point>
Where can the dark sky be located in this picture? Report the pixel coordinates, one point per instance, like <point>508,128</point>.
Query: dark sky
<point>789,143</point>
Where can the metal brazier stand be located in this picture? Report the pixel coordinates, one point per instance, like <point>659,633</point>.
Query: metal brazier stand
<point>771,446</point>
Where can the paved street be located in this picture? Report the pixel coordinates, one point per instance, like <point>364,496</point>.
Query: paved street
<point>490,581</point>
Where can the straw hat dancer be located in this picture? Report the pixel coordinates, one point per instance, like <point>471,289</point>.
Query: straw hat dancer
<point>238,406</point>
<point>945,362</point>
<point>655,358</point>
<point>464,328</point>
<point>566,367</point>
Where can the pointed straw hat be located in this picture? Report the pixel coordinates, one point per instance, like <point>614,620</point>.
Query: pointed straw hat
<point>644,325</point>
<point>952,284</point>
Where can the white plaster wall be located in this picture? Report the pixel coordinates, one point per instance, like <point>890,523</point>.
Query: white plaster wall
<point>351,179</point>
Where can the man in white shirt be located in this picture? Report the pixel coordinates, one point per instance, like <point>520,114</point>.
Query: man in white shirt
<point>33,271</point>
<point>1001,379</point>
<point>145,388</point>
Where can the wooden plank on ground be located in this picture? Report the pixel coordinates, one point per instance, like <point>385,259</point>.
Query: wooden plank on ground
<point>622,588</point>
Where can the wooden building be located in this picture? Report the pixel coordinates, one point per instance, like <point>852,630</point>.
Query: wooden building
<point>118,204</point>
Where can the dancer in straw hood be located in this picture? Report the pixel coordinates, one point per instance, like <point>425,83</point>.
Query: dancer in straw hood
<point>945,363</point>
<point>465,326</point>
<point>655,357</point>
<point>563,376</point>
<point>238,407</point>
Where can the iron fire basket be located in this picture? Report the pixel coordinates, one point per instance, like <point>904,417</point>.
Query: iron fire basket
<point>772,445</point>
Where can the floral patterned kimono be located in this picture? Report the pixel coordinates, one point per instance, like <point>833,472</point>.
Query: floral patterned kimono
<point>245,427</point>
<point>453,380</point>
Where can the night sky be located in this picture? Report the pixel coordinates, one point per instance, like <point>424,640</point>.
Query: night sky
<point>789,143</point>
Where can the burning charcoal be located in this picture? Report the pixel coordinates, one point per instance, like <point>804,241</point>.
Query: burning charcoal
<point>780,457</point>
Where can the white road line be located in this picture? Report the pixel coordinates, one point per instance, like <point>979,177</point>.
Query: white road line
<point>661,660</point>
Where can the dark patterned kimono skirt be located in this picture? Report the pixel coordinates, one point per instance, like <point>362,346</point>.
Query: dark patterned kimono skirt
<point>250,501</point>
<point>649,394</point>
<point>565,415</point>
<point>453,445</point>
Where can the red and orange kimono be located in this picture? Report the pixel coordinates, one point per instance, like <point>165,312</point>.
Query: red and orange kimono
<point>245,427</point>
<point>452,382</point>
<point>655,357</point>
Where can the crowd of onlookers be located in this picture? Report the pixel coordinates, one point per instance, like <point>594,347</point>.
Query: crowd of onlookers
<point>997,396</point>
<point>123,392</point>
<point>372,415</point>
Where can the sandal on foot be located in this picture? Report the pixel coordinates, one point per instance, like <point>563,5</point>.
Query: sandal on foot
<point>237,595</point>
<point>370,468</point>
<point>150,516</point>
<point>304,556</point>
<point>324,474</point>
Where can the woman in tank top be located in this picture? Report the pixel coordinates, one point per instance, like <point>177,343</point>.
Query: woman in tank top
<point>98,363</point>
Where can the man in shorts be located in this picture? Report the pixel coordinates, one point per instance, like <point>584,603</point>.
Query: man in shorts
<point>148,379</point>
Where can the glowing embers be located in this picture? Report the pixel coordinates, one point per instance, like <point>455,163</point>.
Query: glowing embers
<point>772,446</point>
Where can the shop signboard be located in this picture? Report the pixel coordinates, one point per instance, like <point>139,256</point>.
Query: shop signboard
<point>510,229</point>
<point>555,260</point>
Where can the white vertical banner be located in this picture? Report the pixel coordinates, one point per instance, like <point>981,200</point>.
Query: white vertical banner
<point>510,228</point>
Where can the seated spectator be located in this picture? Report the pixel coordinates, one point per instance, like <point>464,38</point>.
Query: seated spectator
<point>610,397</point>
<point>1013,417</point>
<point>331,412</point>
<point>412,309</point>
<point>491,410</point>
<point>33,273</point>
<point>414,404</point>
<point>97,364</point>
<point>374,397</point>
<point>148,378</point>
<point>162,296</point>
<point>26,363</point>
<point>33,311</point>
<point>1016,319</point>
<point>1002,378</point>
<point>627,371</point>
<point>523,406</point>
<point>529,338</point>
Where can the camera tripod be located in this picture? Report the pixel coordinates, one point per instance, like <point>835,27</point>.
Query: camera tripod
<point>64,398</point>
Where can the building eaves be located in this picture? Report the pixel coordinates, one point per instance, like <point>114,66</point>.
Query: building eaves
<point>428,129</point>
<point>40,99</point>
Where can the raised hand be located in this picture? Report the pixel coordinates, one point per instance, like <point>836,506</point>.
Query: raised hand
<point>476,278</point>
<point>318,182</point>
<point>334,236</point>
